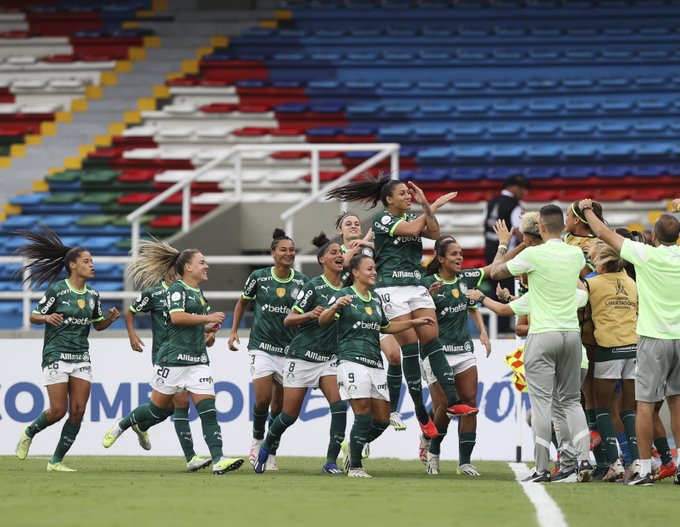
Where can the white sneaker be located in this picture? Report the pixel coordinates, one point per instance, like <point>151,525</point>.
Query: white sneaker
<point>432,464</point>
<point>142,437</point>
<point>271,463</point>
<point>366,451</point>
<point>397,422</point>
<point>254,449</point>
<point>467,469</point>
<point>634,468</point>
<point>424,448</point>
<point>197,463</point>
<point>615,472</point>
<point>358,473</point>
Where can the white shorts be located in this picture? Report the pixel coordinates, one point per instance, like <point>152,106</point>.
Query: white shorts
<point>356,381</point>
<point>459,363</point>
<point>170,380</point>
<point>615,369</point>
<point>58,372</point>
<point>305,374</point>
<point>398,301</point>
<point>262,364</point>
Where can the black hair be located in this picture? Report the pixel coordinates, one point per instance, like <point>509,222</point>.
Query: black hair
<point>45,256</point>
<point>597,210</point>
<point>354,263</point>
<point>552,218</point>
<point>440,247</point>
<point>341,218</point>
<point>277,236</point>
<point>667,229</point>
<point>370,191</point>
<point>323,243</point>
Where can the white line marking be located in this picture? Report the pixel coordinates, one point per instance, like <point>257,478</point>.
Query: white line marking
<point>548,513</point>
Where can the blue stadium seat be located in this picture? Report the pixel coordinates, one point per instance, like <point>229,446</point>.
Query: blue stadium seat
<point>580,151</point>
<point>468,130</point>
<point>653,150</point>
<point>471,153</point>
<point>505,129</point>
<point>616,151</point>
<point>578,128</point>
<point>432,131</point>
<point>545,152</point>
<point>508,152</point>
<point>576,172</point>
<point>398,133</point>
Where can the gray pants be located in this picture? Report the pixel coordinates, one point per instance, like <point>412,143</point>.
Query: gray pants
<point>552,365</point>
<point>565,447</point>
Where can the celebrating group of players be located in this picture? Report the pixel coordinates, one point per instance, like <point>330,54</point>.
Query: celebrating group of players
<point>373,297</point>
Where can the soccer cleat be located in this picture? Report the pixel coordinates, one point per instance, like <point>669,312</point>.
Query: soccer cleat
<point>467,469</point>
<point>271,463</point>
<point>358,473</point>
<point>110,437</point>
<point>226,464</point>
<point>615,472</point>
<point>565,475</point>
<point>261,461</point>
<point>429,429</point>
<point>666,471</point>
<point>599,472</point>
<point>460,410</point>
<point>331,468</point>
<point>538,477</point>
<point>23,445</point>
<point>397,422</point>
<point>366,451</point>
<point>254,449</point>
<point>424,448</point>
<point>634,468</point>
<point>58,467</point>
<point>676,479</point>
<point>641,481</point>
<point>346,461</point>
<point>142,437</point>
<point>595,439</point>
<point>432,466</point>
<point>584,472</point>
<point>197,463</point>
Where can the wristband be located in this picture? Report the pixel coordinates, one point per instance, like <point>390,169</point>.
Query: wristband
<point>502,246</point>
<point>586,207</point>
<point>481,300</point>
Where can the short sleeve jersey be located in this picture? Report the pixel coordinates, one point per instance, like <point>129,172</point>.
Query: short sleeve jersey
<point>184,345</point>
<point>154,300</point>
<point>274,299</point>
<point>312,342</point>
<point>522,305</point>
<point>552,270</point>
<point>68,341</point>
<point>365,250</point>
<point>398,258</point>
<point>657,272</point>
<point>359,324</point>
<point>452,305</point>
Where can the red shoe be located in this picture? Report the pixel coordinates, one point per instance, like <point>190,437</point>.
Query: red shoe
<point>666,471</point>
<point>429,429</point>
<point>595,439</point>
<point>460,409</point>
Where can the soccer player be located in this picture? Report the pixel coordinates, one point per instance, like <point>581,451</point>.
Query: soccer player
<point>398,254</point>
<point>311,360</point>
<point>578,231</point>
<point>657,270</point>
<point>362,380</point>
<point>348,226</point>
<point>153,299</point>
<point>67,309</point>
<point>274,290</point>
<point>182,361</point>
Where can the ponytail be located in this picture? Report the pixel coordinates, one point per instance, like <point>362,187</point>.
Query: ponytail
<point>156,259</point>
<point>323,243</point>
<point>370,190</point>
<point>277,236</point>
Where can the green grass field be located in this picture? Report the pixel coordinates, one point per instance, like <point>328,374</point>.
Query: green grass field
<point>148,491</point>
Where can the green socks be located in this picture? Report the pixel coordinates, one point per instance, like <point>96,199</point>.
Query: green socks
<point>145,415</point>
<point>441,369</point>
<point>394,376</point>
<point>466,444</point>
<point>337,432</point>
<point>211,429</point>
<point>358,437</point>
<point>661,444</point>
<point>68,436</point>
<point>606,428</point>
<point>413,376</point>
<point>259,420</point>
<point>276,430</point>
<point>377,428</point>
<point>40,424</point>
<point>628,418</point>
<point>183,430</point>
<point>598,451</point>
<point>164,414</point>
<point>436,443</point>
<point>275,446</point>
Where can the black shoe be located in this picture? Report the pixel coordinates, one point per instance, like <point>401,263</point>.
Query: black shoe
<point>563,474</point>
<point>676,479</point>
<point>599,472</point>
<point>538,477</point>
<point>584,472</point>
<point>646,481</point>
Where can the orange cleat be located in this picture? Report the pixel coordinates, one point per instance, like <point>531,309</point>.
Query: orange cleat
<point>460,409</point>
<point>666,471</point>
<point>595,439</point>
<point>429,429</point>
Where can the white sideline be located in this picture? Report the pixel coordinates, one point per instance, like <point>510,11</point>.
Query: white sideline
<point>548,513</point>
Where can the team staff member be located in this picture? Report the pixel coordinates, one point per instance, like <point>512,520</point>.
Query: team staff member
<point>657,271</point>
<point>553,347</point>
<point>348,226</point>
<point>153,300</point>
<point>311,360</point>
<point>362,380</point>
<point>67,309</point>
<point>398,254</point>
<point>274,290</point>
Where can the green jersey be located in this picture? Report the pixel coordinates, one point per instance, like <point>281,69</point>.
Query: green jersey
<point>184,345</point>
<point>398,258</point>
<point>154,300</point>
<point>273,300</point>
<point>452,305</point>
<point>359,324</point>
<point>365,250</point>
<point>312,342</point>
<point>68,341</point>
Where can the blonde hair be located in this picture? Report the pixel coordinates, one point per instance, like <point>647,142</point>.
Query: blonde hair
<point>155,261</point>
<point>529,224</point>
<point>605,255</point>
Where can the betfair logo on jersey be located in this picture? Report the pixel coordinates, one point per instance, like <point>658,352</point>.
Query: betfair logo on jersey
<point>453,309</point>
<point>374,326</point>
<point>81,303</point>
<point>77,321</point>
<point>369,310</point>
<point>284,310</point>
<point>280,292</point>
<point>406,239</point>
